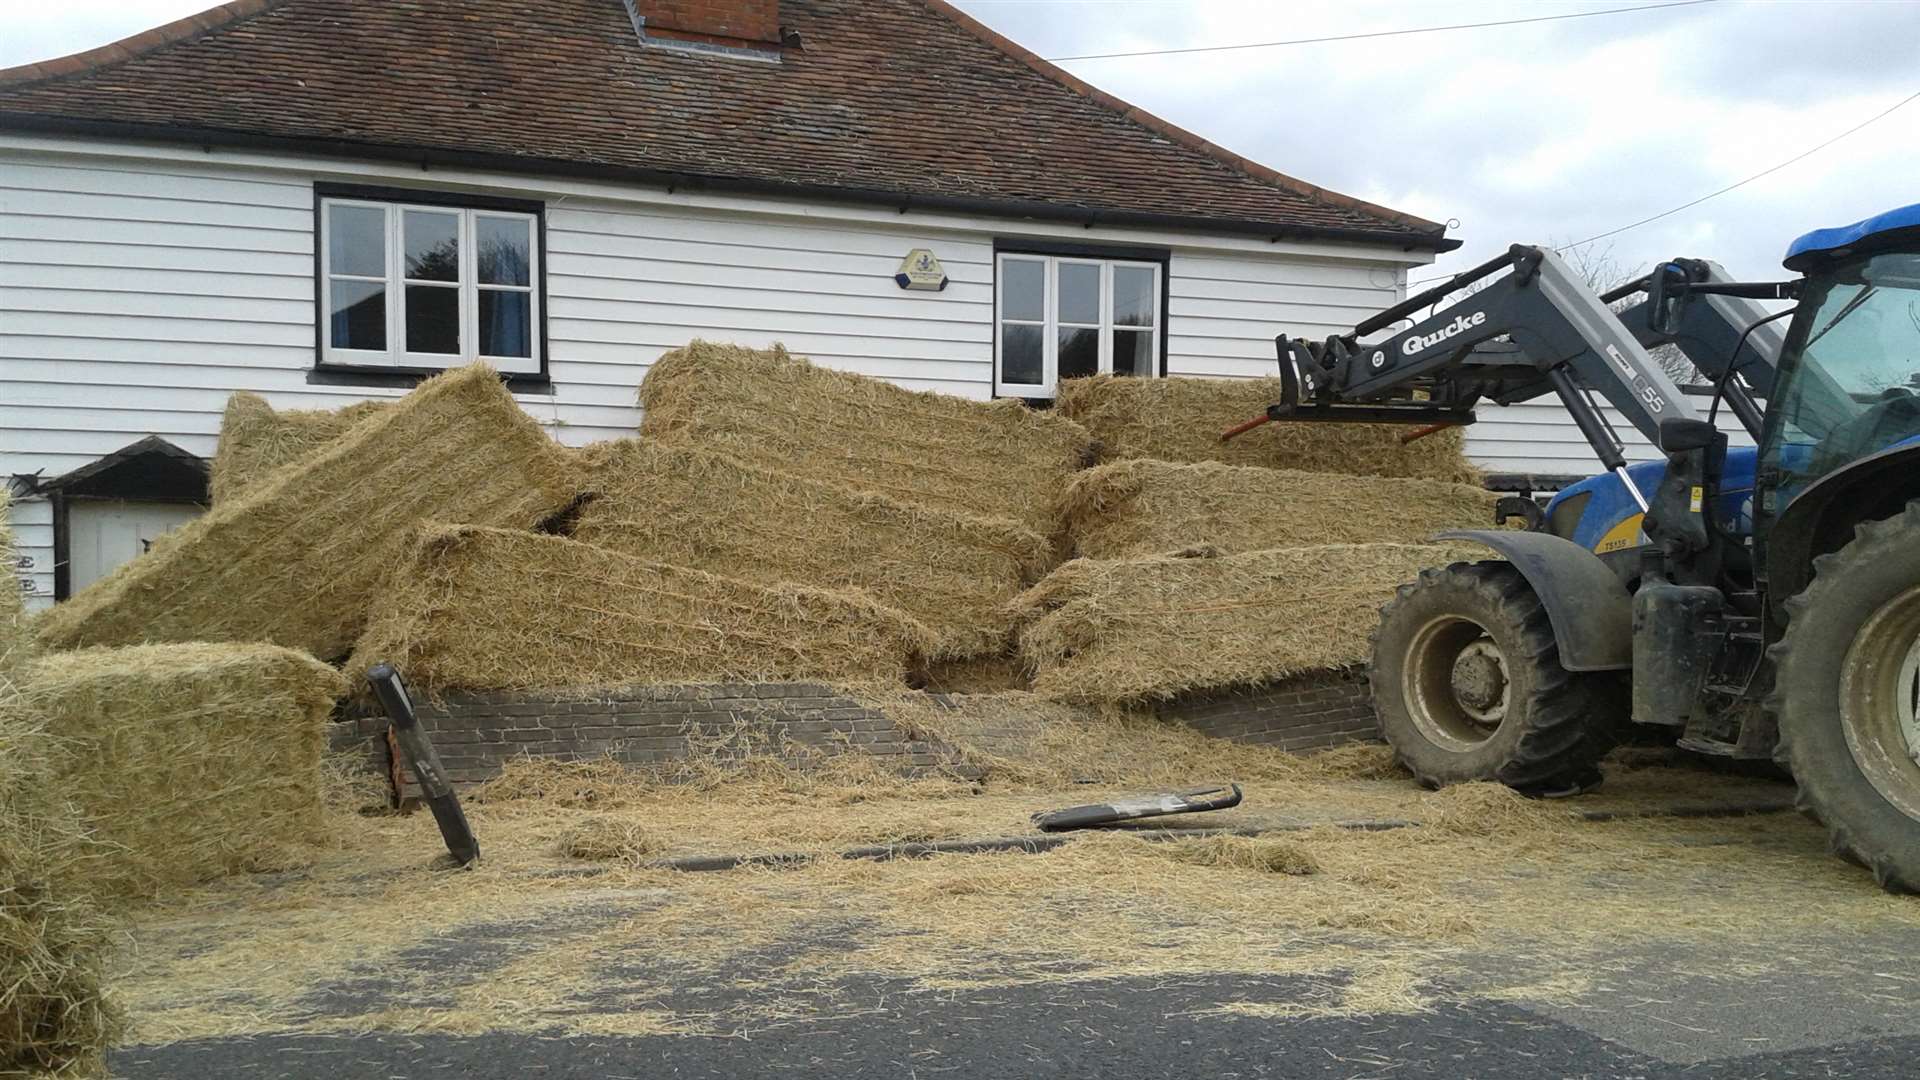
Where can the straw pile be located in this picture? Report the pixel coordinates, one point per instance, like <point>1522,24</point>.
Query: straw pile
<point>192,761</point>
<point>997,459</point>
<point>953,572</point>
<point>255,440</point>
<point>1158,626</point>
<point>54,942</point>
<point>1181,420</point>
<point>493,609</point>
<point>1145,507</point>
<point>296,561</point>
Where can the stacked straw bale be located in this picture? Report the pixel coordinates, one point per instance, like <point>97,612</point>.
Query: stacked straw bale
<point>1145,507</point>
<point>192,761</point>
<point>54,940</point>
<point>494,609</point>
<point>297,560</point>
<point>953,572</point>
<point>1181,419</point>
<point>255,440</point>
<point>1108,630</point>
<point>998,459</point>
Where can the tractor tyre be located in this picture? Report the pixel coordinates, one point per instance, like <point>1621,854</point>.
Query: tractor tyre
<point>1467,680</point>
<point>1846,687</point>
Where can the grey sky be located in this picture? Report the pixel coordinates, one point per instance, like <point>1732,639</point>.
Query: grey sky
<point>1548,132</point>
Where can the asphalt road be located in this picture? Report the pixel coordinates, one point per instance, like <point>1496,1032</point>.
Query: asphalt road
<point>1114,1029</point>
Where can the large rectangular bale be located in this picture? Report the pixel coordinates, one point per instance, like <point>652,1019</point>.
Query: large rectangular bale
<point>55,1017</point>
<point>1158,626</point>
<point>1144,507</point>
<point>990,459</point>
<point>296,560</point>
<point>1180,419</point>
<point>494,609</point>
<point>952,571</point>
<point>255,439</point>
<point>191,760</point>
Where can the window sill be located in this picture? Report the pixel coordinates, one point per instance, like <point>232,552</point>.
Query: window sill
<point>408,378</point>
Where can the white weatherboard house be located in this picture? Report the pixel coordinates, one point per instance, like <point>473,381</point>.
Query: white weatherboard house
<point>325,200</point>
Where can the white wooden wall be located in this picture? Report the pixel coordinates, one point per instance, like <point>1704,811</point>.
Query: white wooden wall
<point>139,286</point>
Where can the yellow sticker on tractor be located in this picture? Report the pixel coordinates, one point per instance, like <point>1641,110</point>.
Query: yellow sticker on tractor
<point>1697,498</point>
<point>1621,537</point>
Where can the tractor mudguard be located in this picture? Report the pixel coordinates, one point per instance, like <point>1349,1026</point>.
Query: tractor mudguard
<point>1589,606</point>
<point>1821,518</point>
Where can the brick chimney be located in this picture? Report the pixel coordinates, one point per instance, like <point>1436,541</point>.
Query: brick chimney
<point>754,23</point>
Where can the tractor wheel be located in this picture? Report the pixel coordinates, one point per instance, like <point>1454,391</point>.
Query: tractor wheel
<point>1847,698</point>
<point>1467,680</point>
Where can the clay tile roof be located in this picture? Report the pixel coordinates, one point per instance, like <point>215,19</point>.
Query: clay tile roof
<point>908,102</point>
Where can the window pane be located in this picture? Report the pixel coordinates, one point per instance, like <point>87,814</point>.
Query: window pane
<point>1022,359</point>
<point>433,246</point>
<point>433,319</point>
<point>1023,290</point>
<point>1134,297</point>
<point>1133,353</point>
<point>359,316</point>
<point>504,250</point>
<point>1079,293</point>
<point>1079,352</point>
<point>357,240</point>
<point>506,323</point>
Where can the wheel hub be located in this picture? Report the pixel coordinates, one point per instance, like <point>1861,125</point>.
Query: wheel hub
<point>1456,683</point>
<point>1480,681</point>
<point>1880,701</point>
<point>1906,699</point>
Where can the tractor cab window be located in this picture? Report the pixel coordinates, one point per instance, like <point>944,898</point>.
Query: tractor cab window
<point>1850,379</point>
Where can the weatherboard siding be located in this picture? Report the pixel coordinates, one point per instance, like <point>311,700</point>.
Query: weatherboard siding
<point>141,285</point>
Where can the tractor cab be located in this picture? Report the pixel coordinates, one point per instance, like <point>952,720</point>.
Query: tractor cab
<point>1846,387</point>
<point>1848,382</point>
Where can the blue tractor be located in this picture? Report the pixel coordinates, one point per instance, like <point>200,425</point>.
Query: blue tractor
<point>1759,603</point>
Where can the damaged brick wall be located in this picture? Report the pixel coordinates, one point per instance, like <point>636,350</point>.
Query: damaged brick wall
<point>1309,712</point>
<point>476,734</point>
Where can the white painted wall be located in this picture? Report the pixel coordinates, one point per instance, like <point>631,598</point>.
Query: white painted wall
<point>140,285</point>
<point>1539,437</point>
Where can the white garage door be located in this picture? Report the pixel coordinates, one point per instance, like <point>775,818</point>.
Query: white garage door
<point>103,533</point>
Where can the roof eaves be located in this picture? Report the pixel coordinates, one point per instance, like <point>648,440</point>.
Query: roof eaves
<point>681,179</point>
<point>1174,131</point>
<point>146,41</point>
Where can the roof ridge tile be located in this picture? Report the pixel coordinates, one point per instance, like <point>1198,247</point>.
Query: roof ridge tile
<point>135,45</point>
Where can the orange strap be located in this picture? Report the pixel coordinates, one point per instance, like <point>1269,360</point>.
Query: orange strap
<point>1242,429</point>
<point>1421,433</point>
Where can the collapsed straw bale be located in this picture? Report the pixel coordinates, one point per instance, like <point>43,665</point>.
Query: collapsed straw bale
<point>192,761</point>
<point>493,609</point>
<point>990,674</point>
<point>1261,854</point>
<point>255,439</point>
<point>1484,808</point>
<point>55,1017</point>
<point>297,560</point>
<point>604,838</point>
<point>998,459</point>
<point>1145,507</point>
<point>1159,626</point>
<point>1181,419</point>
<point>953,572</point>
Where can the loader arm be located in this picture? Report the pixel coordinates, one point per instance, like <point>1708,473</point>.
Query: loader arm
<point>1732,340</point>
<point>1564,341</point>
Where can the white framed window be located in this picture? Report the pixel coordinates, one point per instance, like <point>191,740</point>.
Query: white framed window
<point>425,286</point>
<point>1061,316</point>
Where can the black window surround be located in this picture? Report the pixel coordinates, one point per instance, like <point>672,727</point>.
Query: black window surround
<point>1083,250</point>
<point>331,373</point>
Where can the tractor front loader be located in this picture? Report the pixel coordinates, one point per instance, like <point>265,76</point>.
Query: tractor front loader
<point>1760,602</point>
